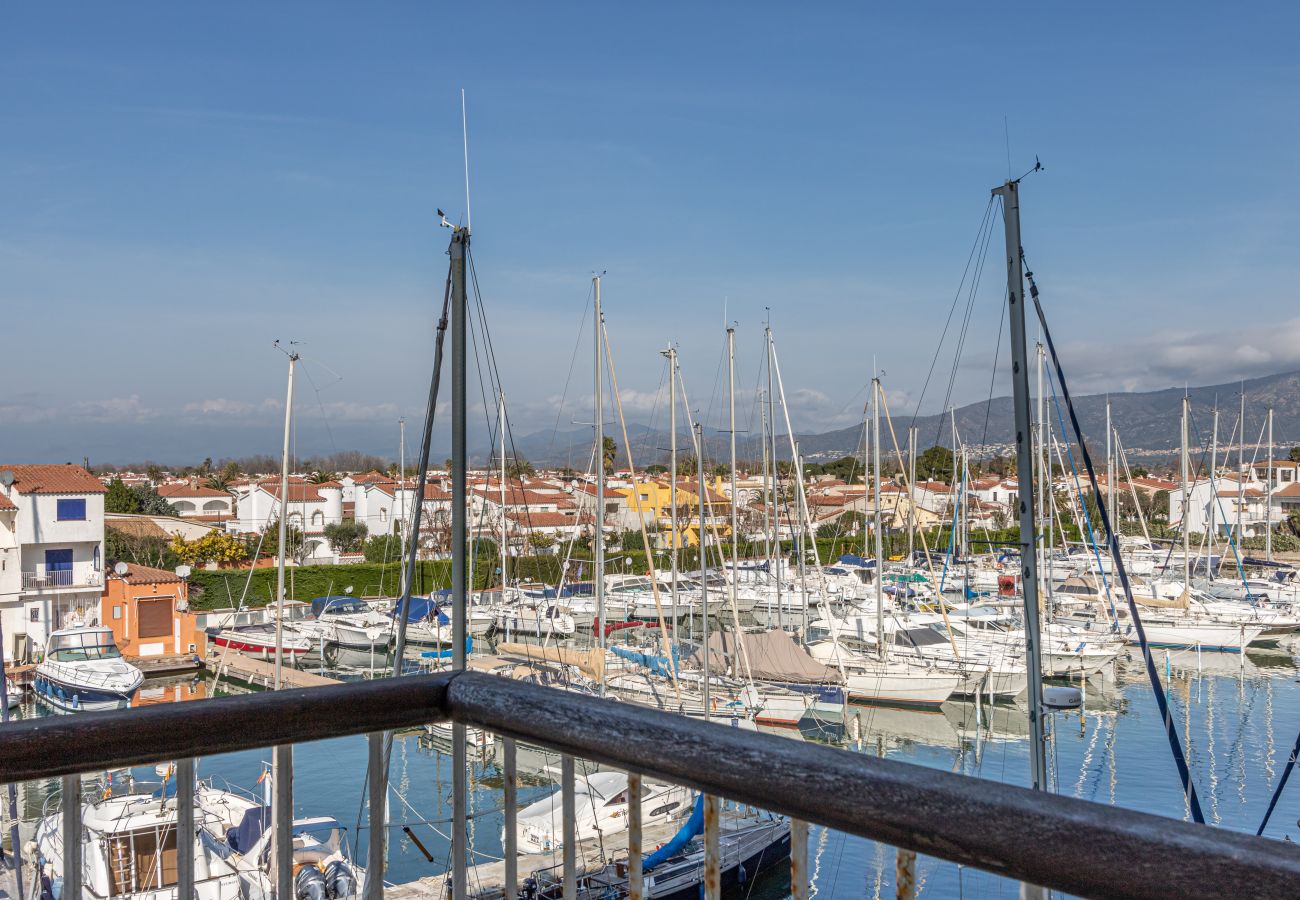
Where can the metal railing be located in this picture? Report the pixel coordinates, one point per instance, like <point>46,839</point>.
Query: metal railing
<point>1038,838</point>
<point>57,578</point>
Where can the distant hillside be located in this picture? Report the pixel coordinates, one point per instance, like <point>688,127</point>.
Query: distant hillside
<point>1147,420</point>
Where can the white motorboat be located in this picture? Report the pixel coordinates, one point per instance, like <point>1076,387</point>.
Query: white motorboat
<point>601,801</point>
<point>83,670</point>
<point>259,640</point>
<point>129,847</point>
<point>348,624</point>
<point>322,860</point>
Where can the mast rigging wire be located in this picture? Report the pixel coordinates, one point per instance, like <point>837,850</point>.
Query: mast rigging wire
<point>1171,730</point>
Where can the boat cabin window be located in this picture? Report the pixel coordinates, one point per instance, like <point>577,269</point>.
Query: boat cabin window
<point>82,646</point>
<point>919,637</point>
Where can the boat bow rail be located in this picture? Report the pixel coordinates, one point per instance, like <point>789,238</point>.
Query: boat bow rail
<point>1057,842</point>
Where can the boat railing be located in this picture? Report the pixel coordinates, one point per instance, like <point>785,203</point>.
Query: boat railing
<point>1039,838</point>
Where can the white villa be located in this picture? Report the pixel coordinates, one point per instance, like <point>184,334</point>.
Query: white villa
<point>51,552</point>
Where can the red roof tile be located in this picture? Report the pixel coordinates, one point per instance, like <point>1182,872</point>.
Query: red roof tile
<point>145,575</point>
<point>190,490</point>
<point>6,503</point>
<point>54,479</point>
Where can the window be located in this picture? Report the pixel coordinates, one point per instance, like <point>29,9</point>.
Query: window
<point>117,611</point>
<point>36,614</point>
<point>72,510</point>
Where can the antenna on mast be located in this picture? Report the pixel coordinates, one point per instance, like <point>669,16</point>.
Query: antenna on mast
<point>464,132</point>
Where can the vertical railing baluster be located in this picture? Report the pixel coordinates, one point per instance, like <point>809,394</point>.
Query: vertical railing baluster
<point>511,800</point>
<point>71,803</point>
<point>905,874</point>
<point>712,860</point>
<point>570,828</point>
<point>634,879</point>
<point>378,786</point>
<point>282,820</point>
<point>459,812</point>
<point>186,836</point>
<point>798,859</point>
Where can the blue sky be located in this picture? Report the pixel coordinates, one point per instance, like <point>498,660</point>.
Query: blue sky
<point>180,186</point>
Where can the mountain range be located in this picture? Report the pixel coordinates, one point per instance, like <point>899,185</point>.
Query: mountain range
<point>1147,423</point>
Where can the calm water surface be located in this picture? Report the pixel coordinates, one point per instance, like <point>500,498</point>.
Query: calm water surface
<point>1238,716</point>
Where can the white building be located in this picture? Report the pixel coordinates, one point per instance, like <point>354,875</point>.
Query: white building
<point>51,552</point>
<point>311,507</point>
<point>378,504</point>
<point>1225,502</point>
<point>195,501</point>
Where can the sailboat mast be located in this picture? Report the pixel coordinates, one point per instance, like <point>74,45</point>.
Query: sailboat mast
<point>911,491</point>
<point>672,475</point>
<point>284,528</point>
<point>1241,463</point>
<point>1110,465</point>
<point>803,533</point>
<point>598,403</point>
<point>775,558</point>
<point>704,565</point>
<point>282,755</point>
<point>1187,541</point>
<point>767,516</point>
<point>1268,494</point>
<point>459,542</point>
<point>1214,484</point>
<point>1010,193</point>
<point>501,415</point>
<point>875,511</point>
<point>735,518</point>
<point>401,504</point>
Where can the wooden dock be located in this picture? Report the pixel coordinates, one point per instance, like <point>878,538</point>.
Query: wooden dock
<point>486,881</point>
<point>232,664</point>
<point>173,664</point>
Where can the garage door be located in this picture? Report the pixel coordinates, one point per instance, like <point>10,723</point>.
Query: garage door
<point>155,618</point>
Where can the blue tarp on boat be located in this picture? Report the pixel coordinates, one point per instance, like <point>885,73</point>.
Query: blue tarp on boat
<point>659,665</point>
<point>422,608</point>
<point>449,652</point>
<point>694,825</point>
<point>861,561</point>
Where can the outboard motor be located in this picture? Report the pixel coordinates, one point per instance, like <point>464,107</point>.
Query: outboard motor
<point>340,880</point>
<point>309,884</point>
<point>530,888</point>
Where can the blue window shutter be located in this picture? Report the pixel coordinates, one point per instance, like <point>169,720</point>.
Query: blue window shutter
<point>58,560</point>
<point>72,510</point>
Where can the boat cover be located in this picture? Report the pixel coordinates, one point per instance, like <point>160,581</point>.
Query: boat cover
<point>658,665</point>
<point>773,656</point>
<point>423,608</point>
<point>590,662</point>
<point>694,825</point>
<point>245,835</point>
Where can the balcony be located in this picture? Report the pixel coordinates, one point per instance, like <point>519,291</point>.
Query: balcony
<point>76,578</point>
<point>1043,839</point>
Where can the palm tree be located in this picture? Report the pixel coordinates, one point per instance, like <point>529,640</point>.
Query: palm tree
<point>320,477</point>
<point>218,482</point>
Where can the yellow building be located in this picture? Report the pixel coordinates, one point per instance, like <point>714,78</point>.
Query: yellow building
<point>654,500</point>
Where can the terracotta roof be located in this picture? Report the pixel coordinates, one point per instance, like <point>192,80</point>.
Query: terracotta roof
<point>6,503</point>
<point>1291,490</point>
<point>371,476</point>
<point>431,491</point>
<point>140,527</point>
<point>299,492</point>
<point>516,497</point>
<point>546,519</point>
<point>54,479</point>
<point>145,575</point>
<point>190,490</point>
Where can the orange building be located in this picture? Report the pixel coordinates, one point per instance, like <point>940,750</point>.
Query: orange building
<point>148,610</point>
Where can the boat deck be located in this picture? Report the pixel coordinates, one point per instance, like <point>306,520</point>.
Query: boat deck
<point>486,881</point>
